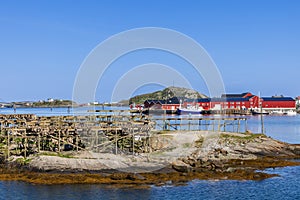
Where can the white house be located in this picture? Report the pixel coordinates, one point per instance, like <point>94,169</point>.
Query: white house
<point>50,100</point>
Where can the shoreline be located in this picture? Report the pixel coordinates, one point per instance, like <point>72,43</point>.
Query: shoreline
<point>144,180</point>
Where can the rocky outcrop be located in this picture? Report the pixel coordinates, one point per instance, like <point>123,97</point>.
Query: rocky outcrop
<point>234,151</point>
<point>176,157</point>
<point>185,152</point>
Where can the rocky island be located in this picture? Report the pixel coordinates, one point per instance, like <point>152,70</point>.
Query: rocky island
<point>176,157</point>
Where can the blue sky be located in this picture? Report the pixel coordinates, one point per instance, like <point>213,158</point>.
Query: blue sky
<point>255,44</point>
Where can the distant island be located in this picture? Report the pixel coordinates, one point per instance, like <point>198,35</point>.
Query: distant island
<point>54,103</point>
<point>39,104</point>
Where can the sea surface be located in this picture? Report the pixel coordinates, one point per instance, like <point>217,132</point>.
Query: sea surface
<point>286,186</point>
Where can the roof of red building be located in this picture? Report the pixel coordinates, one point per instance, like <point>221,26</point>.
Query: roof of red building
<point>222,99</point>
<point>231,99</point>
<point>277,99</point>
<point>243,95</point>
<point>173,100</point>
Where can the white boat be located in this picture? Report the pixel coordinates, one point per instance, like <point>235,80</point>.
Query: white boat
<point>190,110</point>
<point>278,112</point>
<point>291,113</point>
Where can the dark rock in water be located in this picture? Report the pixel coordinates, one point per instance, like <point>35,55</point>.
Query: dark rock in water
<point>256,176</point>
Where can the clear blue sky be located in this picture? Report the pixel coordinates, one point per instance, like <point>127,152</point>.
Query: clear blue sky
<point>255,44</point>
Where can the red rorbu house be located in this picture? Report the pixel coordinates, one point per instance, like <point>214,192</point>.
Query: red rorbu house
<point>170,104</point>
<point>278,103</point>
<point>157,104</point>
<point>239,103</point>
<point>227,101</point>
<point>242,101</point>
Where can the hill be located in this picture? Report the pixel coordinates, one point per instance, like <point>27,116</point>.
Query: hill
<point>167,93</point>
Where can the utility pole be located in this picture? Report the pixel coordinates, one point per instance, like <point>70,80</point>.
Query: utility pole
<point>261,116</point>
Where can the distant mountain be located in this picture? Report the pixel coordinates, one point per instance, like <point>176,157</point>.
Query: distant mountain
<point>167,93</point>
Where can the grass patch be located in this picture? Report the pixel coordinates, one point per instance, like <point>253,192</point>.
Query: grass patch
<point>186,145</point>
<point>163,132</point>
<point>244,137</point>
<point>199,142</point>
<point>56,154</point>
<point>23,161</point>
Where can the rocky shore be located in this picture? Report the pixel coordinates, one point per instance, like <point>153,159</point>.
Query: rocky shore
<point>176,158</point>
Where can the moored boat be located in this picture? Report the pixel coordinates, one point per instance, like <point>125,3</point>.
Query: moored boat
<point>190,110</point>
<point>260,113</point>
<point>278,112</point>
<point>291,113</point>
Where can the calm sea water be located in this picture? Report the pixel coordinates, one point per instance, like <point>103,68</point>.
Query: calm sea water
<point>287,186</point>
<point>284,187</point>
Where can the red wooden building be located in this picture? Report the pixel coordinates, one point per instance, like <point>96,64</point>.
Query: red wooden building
<point>170,104</point>
<point>227,101</point>
<point>244,101</point>
<point>278,103</point>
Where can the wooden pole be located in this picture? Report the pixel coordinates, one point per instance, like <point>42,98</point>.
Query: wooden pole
<point>39,143</point>
<point>96,138</point>
<point>116,141</point>
<point>8,132</point>
<point>76,143</point>
<point>25,147</point>
<point>199,124</point>
<point>262,119</point>
<point>132,141</point>
<point>59,140</point>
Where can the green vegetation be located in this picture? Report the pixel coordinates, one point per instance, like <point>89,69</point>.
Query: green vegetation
<point>162,132</point>
<point>57,154</point>
<point>54,103</point>
<point>186,145</point>
<point>23,161</point>
<point>244,137</point>
<point>167,93</point>
<point>199,142</point>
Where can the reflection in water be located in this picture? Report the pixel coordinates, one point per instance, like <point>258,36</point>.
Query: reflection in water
<point>284,187</point>
<point>19,190</point>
